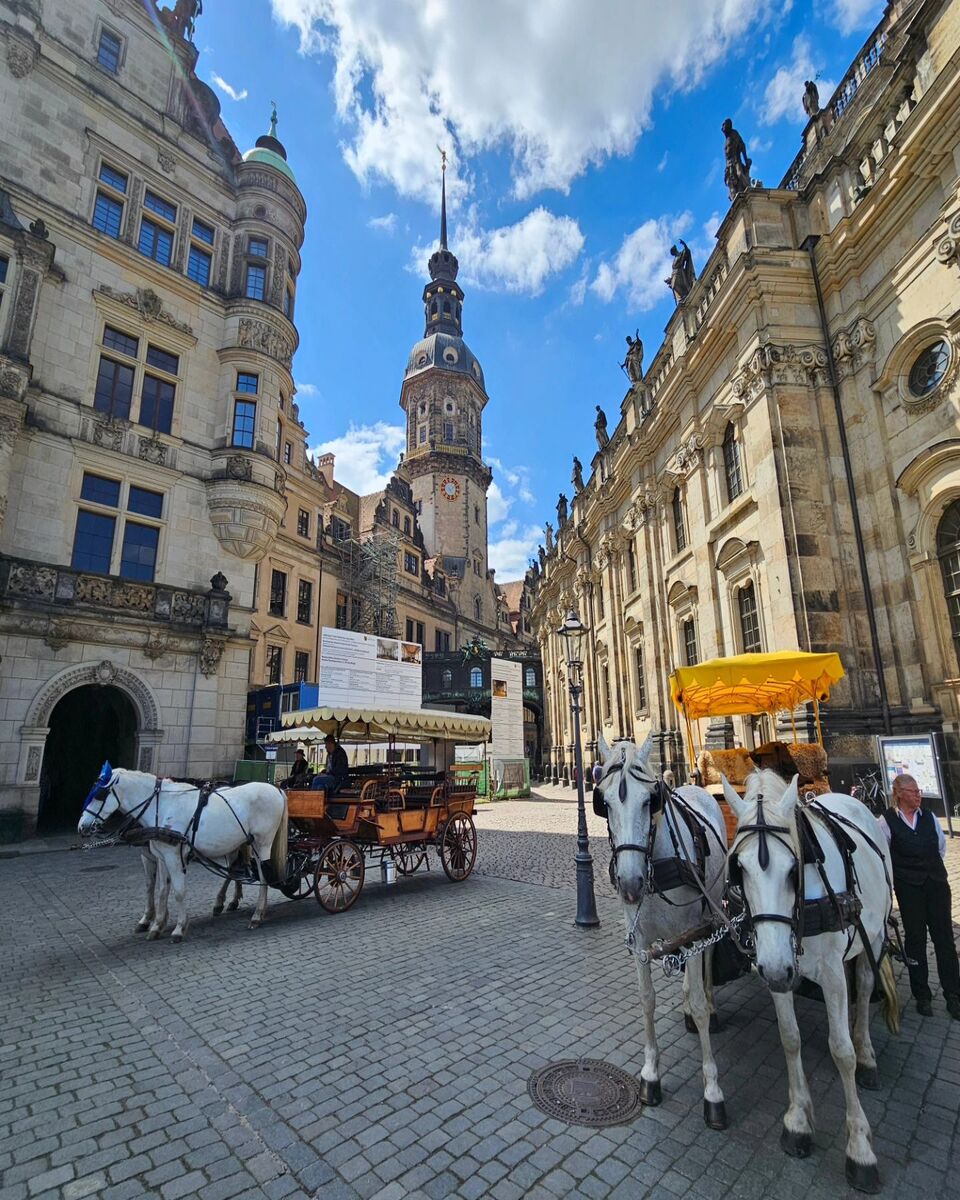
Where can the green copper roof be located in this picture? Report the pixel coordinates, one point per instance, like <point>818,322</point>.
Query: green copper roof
<point>270,158</point>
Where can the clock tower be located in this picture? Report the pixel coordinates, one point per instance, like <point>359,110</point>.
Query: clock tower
<point>443,397</point>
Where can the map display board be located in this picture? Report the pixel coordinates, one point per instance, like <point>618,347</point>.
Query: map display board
<point>361,670</point>
<point>506,708</point>
<point>914,756</point>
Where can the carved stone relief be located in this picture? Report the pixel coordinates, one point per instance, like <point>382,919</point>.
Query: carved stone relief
<point>948,246</point>
<point>105,672</point>
<point>688,455</point>
<point>148,304</point>
<point>156,646</point>
<point>32,772</point>
<point>239,467</point>
<point>211,651</point>
<point>146,759</point>
<point>57,634</point>
<point>189,609</point>
<point>22,52</point>
<point>259,336</point>
<point>108,434</point>
<point>799,366</point>
<point>24,308</point>
<point>28,580</point>
<point>854,346</point>
<point>112,593</point>
<point>152,450</point>
<point>167,161</point>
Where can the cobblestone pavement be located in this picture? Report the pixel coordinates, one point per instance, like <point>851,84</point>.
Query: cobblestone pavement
<point>385,1053</point>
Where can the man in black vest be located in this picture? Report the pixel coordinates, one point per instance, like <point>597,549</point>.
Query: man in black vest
<point>918,847</point>
<point>336,771</point>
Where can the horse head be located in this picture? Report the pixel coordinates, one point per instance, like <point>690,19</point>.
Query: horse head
<point>765,863</point>
<point>101,802</point>
<point>627,787</point>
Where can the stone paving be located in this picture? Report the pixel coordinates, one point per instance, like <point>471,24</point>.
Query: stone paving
<point>385,1053</point>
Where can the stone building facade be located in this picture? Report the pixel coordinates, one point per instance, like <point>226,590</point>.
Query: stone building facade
<point>785,473</point>
<point>147,279</point>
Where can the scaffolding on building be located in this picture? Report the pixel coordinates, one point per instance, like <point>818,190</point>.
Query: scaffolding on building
<point>369,570</point>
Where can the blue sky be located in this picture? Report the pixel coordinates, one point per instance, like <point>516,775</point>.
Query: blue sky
<point>584,137</point>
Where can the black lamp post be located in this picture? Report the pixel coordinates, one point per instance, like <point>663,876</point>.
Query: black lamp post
<point>572,631</point>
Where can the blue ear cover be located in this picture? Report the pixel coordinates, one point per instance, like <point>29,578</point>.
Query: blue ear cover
<point>105,773</point>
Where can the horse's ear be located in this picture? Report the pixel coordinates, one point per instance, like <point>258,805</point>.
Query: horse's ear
<point>603,748</point>
<point>788,801</point>
<point>738,805</point>
<point>105,772</point>
<point>643,754</point>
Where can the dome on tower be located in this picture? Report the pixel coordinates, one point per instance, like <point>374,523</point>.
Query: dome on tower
<point>447,352</point>
<point>270,151</point>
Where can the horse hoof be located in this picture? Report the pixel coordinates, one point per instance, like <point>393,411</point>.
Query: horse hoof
<point>152,935</point>
<point>867,1078</point>
<point>233,906</point>
<point>217,910</point>
<point>714,1114</point>
<point>715,1025</point>
<point>176,937</point>
<point>254,925</point>
<point>689,1023</point>
<point>650,1093</point>
<point>142,926</point>
<point>797,1145</point>
<point>865,1177</point>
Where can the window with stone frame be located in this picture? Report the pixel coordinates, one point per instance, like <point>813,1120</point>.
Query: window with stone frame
<point>304,602</point>
<point>109,50</point>
<point>407,527</point>
<point>341,611</point>
<point>530,678</point>
<point>411,563</point>
<point>948,553</point>
<point>301,666</point>
<point>255,278</point>
<point>605,699</point>
<point>157,228</point>
<point>679,522</point>
<point>732,465</point>
<point>340,529</point>
<point>641,678</point>
<point>244,424</point>
<point>4,269</point>
<point>395,519</point>
<point>287,453</point>
<point>476,677</point>
<point>278,593</point>
<point>303,523</point>
<point>750,640</point>
<point>274,664</point>
<point>106,504</point>
<point>200,254</point>
<point>688,639</point>
<point>415,631</point>
<point>110,199</point>
<point>127,359</point>
<point>446,679</point>
<point>442,640</point>
<point>631,565</point>
<point>599,594</point>
<point>477,609</point>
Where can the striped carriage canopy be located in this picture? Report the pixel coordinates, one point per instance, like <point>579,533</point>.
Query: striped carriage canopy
<point>372,725</point>
<point>748,684</point>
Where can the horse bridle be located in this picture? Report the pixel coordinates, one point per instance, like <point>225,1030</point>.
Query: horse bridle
<point>103,792</point>
<point>762,829</point>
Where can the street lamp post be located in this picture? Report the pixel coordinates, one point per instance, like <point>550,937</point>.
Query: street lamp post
<point>572,631</point>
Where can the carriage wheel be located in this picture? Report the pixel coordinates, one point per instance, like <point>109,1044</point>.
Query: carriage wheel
<point>339,876</point>
<point>408,859</point>
<point>458,847</point>
<point>302,878</point>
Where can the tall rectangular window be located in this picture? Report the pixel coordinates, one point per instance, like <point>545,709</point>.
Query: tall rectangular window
<point>303,523</point>
<point>679,524</point>
<point>257,247</point>
<point>244,423</point>
<point>108,51</point>
<point>420,633</point>
<point>605,697</point>
<point>114,389</point>
<point>411,564</point>
<point>198,266</point>
<point>749,620</point>
<point>442,640</point>
<point>274,664</point>
<point>631,565</point>
<point>138,559</point>
<point>155,242</point>
<point>156,404</point>
<point>4,266</point>
<point>341,615</point>
<point>732,467</point>
<point>278,593</point>
<point>340,530</point>
<point>287,453</point>
<point>600,612</point>
<point>448,432</point>
<point>641,678</point>
<point>304,602</point>
<point>107,215</point>
<point>248,382</point>
<point>256,285</point>
<point>301,666</point>
<point>689,636</point>
<point>93,542</point>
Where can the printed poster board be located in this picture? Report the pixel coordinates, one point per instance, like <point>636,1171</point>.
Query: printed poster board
<point>506,708</point>
<point>916,756</point>
<point>362,670</point>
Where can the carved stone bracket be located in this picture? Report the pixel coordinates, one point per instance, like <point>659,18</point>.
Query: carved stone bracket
<point>948,244</point>
<point>148,304</point>
<point>854,346</point>
<point>770,365</point>
<point>57,634</point>
<point>688,455</point>
<point>211,651</point>
<point>152,450</point>
<point>239,467</point>
<point>108,434</point>
<point>22,52</point>
<point>156,646</point>
<point>14,377</point>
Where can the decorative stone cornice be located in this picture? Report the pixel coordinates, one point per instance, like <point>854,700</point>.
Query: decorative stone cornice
<point>263,338</point>
<point>854,346</point>
<point>771,365</point>
<point>687,456</point>
<point>147,303</point>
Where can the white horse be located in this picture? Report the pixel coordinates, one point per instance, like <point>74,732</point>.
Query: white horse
<point>767,857</point>
<point>253,814</point>
<point>641,838</point>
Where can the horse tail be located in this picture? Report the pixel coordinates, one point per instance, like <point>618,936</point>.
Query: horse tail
<point>278,851</point>
<point>890,999</point>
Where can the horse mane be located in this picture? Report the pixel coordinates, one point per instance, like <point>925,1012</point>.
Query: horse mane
<point>771,785</point>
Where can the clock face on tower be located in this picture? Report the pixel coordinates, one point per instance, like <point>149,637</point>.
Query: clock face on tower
<point>449,488</point>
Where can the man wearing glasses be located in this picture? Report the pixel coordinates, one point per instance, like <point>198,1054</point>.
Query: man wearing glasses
<point>918,848</point>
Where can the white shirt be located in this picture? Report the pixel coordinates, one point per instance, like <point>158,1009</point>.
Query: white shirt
<point>912,823</point>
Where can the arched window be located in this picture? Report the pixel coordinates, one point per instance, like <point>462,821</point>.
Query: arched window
<point>679,525</point>
<point>477,608</point>
<point>948,551</point>
<point>530,678</point>
<point>446,308</point>
<point>731,463</point>
<point>446,680</point>
<point>476,677</point>
<point>396,519</point>
<point>749,620</point>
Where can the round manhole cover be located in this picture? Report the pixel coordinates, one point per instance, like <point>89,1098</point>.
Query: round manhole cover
<point>100,867</point>
<point>585,1091</point>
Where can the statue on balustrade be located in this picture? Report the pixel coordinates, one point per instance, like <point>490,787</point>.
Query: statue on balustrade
<point>736,174</point>
<point>682,274</point>
<point>600,428</point>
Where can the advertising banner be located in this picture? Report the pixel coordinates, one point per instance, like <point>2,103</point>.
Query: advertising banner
<point>361,670</point>
<point>506,708</point>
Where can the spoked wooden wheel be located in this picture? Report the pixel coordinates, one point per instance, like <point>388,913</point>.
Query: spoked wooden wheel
<point>339,876</point>
<point>458,847</point>
<point>408,859</point>
<point>301,879</point>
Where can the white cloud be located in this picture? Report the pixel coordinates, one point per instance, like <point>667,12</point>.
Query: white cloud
<point>513,258</point>
<point>661,165</point>
<point>517,478</point>
<point>510,555</point>
<point>386,224</point>
<point>556,87</point>
<point>783,96</point>
<point>642,263</point>
<point>227,88</point>
<point>307,389</point>
<point>498,505</point>
<point>848,15</point>
<point>366,455</point>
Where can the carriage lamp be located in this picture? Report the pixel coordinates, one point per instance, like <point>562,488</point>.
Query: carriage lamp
<point>573,631</point>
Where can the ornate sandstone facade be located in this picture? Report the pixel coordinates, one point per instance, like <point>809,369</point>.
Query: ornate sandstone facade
<point>786,473</point>
<point>147,277</point>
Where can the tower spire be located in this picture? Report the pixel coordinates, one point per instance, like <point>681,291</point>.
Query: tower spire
<point>443,199</point>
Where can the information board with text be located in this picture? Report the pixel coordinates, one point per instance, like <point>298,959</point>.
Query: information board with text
<point>506,708</point>
<point>362,670</point>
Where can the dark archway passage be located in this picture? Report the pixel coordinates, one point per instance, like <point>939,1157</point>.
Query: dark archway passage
<point>87,726</point>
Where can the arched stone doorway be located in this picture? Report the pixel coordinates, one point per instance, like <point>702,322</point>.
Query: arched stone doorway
<point>88,725</point>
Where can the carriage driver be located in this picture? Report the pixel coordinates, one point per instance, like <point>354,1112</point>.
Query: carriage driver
<point>299,777</point>
<point>336,772</point>
<point>918,848</point>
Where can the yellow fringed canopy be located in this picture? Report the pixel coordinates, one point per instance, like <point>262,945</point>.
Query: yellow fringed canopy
<point>748,684</point>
